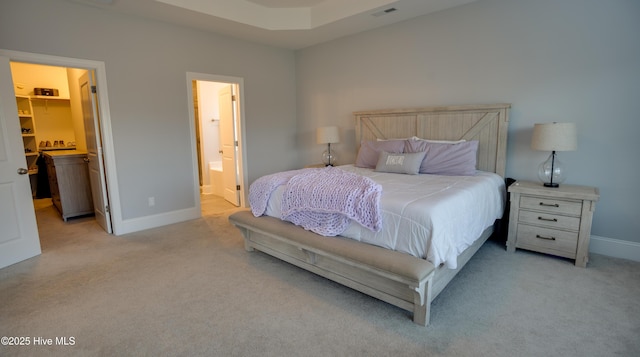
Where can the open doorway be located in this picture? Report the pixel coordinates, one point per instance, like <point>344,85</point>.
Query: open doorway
<point>21,239</point>
<point>216,113</point>
<point>62,141</point>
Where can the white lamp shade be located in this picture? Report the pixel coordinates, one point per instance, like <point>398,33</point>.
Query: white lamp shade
<point>328,135</point>
<point>554,137</point>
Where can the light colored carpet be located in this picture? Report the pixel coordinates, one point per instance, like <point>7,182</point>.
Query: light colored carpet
<point>191,289</point>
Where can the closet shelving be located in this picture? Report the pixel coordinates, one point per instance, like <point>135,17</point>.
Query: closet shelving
<point>28,120</point>
<point>28,127</point>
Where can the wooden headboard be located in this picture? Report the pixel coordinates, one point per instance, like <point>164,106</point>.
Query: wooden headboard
<point>486,123</point>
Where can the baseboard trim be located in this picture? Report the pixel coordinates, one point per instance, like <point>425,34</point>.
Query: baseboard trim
<point>206,189</point>
<point>157,220</point>
<point>615,248</point>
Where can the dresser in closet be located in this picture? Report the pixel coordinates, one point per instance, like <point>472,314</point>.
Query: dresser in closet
<point>68,173</point>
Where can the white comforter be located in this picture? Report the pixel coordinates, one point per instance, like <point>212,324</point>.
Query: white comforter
<point>428,216</point>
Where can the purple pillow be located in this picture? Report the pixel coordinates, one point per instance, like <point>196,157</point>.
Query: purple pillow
<point>446,159</point>
<point>370,151</point>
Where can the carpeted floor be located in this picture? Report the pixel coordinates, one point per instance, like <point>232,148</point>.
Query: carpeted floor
<point>191,289</point>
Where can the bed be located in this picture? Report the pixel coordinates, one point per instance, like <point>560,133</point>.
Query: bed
<point>404,280</point>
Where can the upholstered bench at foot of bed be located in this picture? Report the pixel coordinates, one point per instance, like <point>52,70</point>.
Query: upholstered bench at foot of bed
<point>397,278</point>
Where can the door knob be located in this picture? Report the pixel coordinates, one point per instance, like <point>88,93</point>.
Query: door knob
<point>23,171</point>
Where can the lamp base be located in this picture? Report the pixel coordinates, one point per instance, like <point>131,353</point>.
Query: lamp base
<point>329,157</point>
<point>551,172</point>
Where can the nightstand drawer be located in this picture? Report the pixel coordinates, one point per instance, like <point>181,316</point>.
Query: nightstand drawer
<point>549,220</point>
<point>547,240</point>
<point>551,205</point>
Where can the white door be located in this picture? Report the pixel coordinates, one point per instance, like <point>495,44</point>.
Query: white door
<point>94,151</point>
<point>19,238</point>
<point>228,142</point>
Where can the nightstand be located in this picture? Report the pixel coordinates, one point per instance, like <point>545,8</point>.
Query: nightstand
<point>552,220</point>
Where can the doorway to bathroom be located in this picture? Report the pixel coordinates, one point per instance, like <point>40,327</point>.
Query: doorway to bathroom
<point>216,113</point>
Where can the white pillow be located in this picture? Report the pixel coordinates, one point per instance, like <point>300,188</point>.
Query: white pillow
<point>439,141</point>
<point>392,139</point>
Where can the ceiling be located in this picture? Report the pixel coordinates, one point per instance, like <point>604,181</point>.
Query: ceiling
<point>292,24</point>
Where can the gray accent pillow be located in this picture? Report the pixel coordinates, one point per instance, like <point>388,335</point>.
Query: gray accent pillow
<point>400,163</point>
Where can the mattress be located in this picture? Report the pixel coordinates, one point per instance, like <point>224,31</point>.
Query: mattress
<point>433,217</point>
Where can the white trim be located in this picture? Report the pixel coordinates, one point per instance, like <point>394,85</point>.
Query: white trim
<point>105,119</point>
<point>276,18</point>
<point>615,248</point>
<point>158,220</point>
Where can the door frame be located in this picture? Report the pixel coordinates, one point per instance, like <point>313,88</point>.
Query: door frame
<point>105,119</point>
<point>240,132</point>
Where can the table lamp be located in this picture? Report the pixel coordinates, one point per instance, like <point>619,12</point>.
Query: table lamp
<point>328,135</point>
<point>553,137</point>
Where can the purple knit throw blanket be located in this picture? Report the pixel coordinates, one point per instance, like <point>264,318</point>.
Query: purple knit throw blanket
<point>324,200</point>
<point>261,189</point>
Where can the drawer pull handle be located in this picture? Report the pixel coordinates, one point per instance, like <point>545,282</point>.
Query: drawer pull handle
<point>543,237</point>
<point>549,205</point>
<point>548,219</point>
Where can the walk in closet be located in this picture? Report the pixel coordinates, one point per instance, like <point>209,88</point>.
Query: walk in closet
<point>53,137</point>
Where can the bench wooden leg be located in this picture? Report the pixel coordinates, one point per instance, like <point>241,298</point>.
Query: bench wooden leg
<point>422,302</point>
<point>246,233</point>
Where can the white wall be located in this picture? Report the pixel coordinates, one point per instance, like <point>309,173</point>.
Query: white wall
<point>77,115</point>
<point>146,64</point>
<point>209,111</point>
<point>554,60</point>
